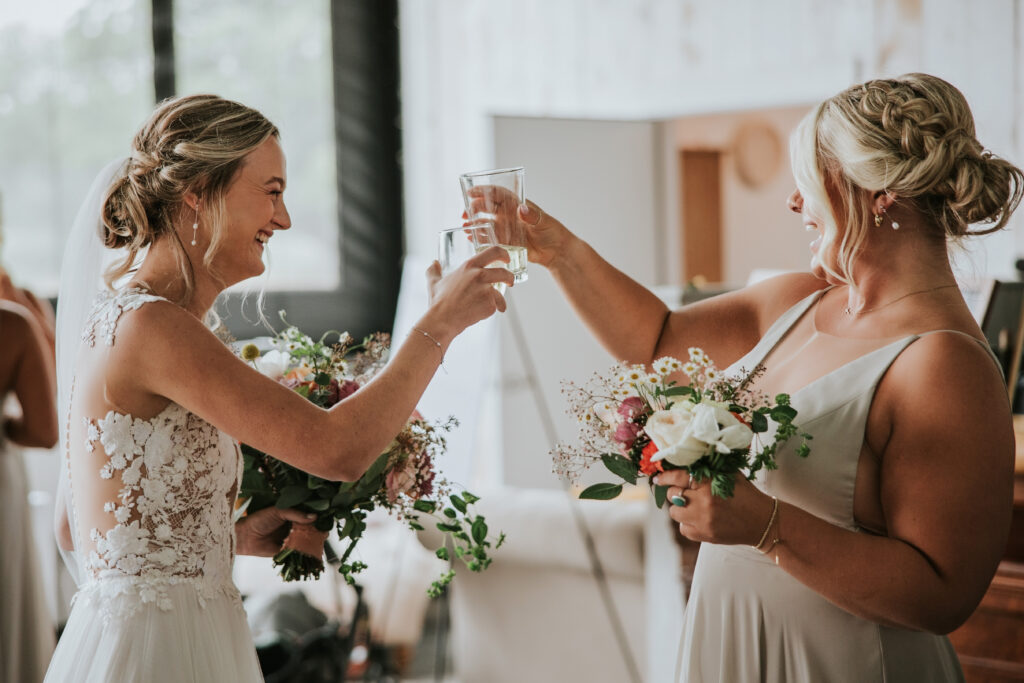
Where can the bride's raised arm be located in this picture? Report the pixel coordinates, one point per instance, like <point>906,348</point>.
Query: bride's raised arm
<point>166,351</point>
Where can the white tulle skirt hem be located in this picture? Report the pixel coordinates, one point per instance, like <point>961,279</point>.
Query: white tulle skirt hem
<point>195,641</point>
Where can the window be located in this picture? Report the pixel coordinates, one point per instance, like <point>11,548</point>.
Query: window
<point>77,80</point>
<point>275,56</point>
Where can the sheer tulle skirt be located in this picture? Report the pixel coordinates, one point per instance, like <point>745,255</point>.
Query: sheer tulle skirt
<point>188,643</point>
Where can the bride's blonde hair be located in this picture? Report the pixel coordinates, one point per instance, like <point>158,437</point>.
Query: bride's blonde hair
<point>911,136</point>
<point>196,143</point>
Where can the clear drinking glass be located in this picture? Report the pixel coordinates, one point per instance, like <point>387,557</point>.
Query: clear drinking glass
<point>456,245</point>
<point>495,196</point>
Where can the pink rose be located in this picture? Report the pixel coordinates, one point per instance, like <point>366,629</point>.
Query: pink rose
<point>399,481</point>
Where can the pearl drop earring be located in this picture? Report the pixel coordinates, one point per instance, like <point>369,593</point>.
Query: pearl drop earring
<point>195,226</point>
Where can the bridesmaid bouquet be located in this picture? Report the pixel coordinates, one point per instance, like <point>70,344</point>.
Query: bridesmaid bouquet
<point>639,424</point>
<point>401,480</point>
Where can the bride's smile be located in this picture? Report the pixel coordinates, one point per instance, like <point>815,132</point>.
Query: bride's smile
<point>254,208</point>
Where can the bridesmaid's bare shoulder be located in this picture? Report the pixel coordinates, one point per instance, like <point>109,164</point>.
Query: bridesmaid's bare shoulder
<point>774,296</point>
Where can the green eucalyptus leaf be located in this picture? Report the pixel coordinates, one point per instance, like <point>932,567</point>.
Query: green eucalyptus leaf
<point>621,466</point>
<point>292,496</point>
<point>660,494</point>
<point>253,481</point>
<point>601,492</point>
<point>424,505</point>
<point>459,504</point>
<point>341,499</point>
<point>479,530</point>
<point>377,468</point>
<point>783,413</point>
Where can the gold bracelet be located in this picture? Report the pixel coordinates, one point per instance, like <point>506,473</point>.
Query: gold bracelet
<point>771,521</point>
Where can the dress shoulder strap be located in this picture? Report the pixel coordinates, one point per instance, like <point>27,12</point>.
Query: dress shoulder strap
<point>983,344</point>
<point>108,309</point>
<point>776,331</point>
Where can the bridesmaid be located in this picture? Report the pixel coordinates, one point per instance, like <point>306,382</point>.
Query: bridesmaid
<point>852,564</point>
<point>27,384</point>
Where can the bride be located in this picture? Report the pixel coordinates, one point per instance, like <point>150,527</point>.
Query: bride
<point>152,402</point>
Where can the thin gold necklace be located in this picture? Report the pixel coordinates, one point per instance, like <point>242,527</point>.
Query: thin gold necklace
<point>849,311</point>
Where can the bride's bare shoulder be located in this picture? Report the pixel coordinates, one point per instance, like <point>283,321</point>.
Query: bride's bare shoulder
<point>158,325</point>
<point>154,345</point>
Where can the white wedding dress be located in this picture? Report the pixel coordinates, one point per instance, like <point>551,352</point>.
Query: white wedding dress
<point>153,502</point>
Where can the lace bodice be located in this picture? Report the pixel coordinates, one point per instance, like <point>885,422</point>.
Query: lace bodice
<point>170,483</point>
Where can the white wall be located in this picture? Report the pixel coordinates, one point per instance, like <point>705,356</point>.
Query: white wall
<point>464,61</point>
<point>600,176</point>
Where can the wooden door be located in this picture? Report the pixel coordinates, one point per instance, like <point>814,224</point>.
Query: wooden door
<point>701,198</point>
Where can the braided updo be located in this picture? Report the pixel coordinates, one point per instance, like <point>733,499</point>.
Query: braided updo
<point>195,143</point>
<point>912,137</point>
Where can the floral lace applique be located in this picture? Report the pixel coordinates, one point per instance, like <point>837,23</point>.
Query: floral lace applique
<point>173,511</point>
<point>107,310</point>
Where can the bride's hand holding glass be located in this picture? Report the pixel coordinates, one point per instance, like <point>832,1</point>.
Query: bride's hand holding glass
<point>467,294</point>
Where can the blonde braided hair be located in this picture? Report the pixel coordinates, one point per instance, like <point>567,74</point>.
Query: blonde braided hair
<point>913,137</point>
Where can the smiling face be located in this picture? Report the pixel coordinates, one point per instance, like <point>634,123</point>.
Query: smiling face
<point>253,210</point>
<point>813,222</point>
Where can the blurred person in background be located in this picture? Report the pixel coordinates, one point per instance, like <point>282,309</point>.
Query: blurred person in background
<point>27,383</point>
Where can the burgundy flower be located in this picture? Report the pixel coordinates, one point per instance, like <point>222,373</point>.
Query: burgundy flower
<point>347,388</point>
<point>337,391</point>
<point>631,407</point>
<point>426,476</point>
<point>626,433</point>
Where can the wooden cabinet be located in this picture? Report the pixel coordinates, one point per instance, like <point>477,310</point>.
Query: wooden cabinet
<point>991,643</point>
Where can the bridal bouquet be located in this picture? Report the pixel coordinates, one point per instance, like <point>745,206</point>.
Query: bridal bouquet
<point>639,424</point>
<point>401,480</point>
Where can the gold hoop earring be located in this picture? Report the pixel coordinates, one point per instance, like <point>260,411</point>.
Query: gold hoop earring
<point>878,220</point>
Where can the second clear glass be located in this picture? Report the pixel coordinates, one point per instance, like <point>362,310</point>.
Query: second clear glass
<point>457,245</point>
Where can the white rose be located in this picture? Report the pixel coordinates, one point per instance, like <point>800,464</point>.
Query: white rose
<point>714,425</point>
<point>671,431</point>
<point>273,363</point>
